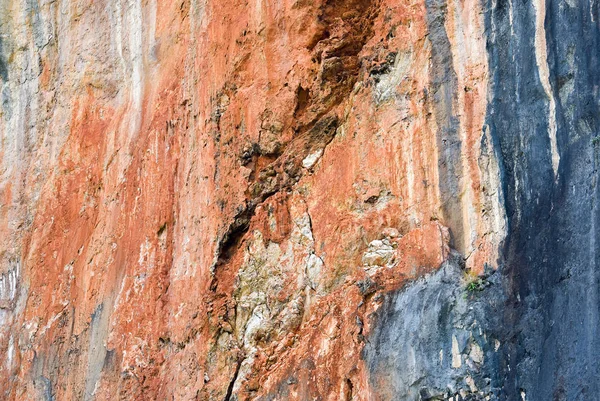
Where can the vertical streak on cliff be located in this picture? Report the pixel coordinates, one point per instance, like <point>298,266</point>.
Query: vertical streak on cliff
<point>482,203</point>
<point>128,14</point>
<point>461,55</point>
<point>24,34</point>
<point>444,87</point>
<point>97,350</point>
<point>541,57</point>
<point>134,25</point>
<point>593,271</point>
<point>459,71</point>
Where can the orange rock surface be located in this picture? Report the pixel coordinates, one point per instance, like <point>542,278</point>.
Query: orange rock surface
<point>206,199</point>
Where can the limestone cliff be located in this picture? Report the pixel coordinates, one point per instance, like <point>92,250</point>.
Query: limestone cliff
<point>299,200</point>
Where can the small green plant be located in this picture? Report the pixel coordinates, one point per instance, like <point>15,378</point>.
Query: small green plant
<point>477,284</point>
<point>596,140</point>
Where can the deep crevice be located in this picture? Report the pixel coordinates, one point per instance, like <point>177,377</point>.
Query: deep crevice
<point>229,393</point>
<point>302,100</point>
<point>349,390</point>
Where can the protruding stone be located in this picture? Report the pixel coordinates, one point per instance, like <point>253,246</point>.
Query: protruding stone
<point>456,356</point>
<point>312,158</point>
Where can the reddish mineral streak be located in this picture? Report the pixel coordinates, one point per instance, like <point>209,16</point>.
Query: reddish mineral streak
<point>191,219</point>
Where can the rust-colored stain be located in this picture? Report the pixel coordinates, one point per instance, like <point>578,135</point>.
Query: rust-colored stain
<point>205,182</point>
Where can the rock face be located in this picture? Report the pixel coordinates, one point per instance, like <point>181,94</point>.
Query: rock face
<point>299,200</point>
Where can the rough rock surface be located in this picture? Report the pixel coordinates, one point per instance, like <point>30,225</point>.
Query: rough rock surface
<point>299,200</point>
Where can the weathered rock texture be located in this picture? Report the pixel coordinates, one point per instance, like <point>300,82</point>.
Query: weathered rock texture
<point>299,200</point>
